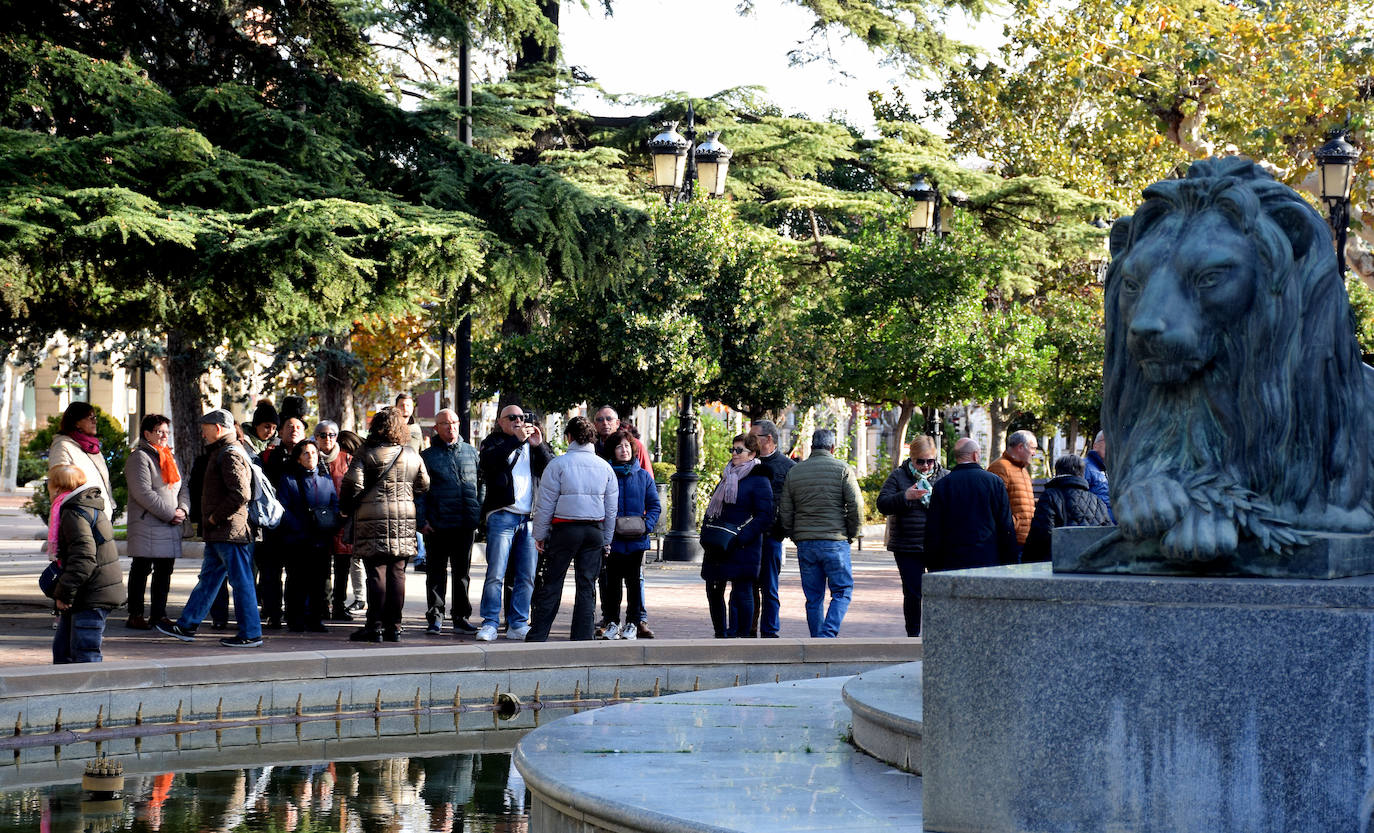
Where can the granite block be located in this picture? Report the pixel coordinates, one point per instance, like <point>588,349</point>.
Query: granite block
<point>637,681</point>
<point>861,650</point>
<point>553,682</point>
<point>1097,549</point>
<point>565,654</point>
<point>1056,702</point>
<point>242,667</point>
<point>59,680</point>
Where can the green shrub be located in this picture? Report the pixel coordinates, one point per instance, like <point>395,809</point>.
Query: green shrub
<point>114,445</point>
<point>663,472</point>
<point>31,468</point>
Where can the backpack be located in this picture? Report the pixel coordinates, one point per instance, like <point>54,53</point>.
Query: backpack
<point>264,510</point>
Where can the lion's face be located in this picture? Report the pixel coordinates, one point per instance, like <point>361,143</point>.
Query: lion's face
<point>1183,282</point>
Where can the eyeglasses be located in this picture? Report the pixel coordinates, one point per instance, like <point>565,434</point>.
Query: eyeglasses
<point>924,461</point>
<point>514,417</point>
<point>738,450</point>
<point>326,436</point>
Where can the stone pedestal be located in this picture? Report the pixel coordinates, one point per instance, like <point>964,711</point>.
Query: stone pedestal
<point>1070,703</point>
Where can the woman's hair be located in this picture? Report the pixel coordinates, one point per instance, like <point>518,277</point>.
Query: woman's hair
<point>1069,464</point>
<point>388,428</point>
<point>750,441</point>
<point>350,442</point>
<point>151,423</point>
<point>64,478</point>
<point>300,446</point>
<point>622,434</point>
<point>926,443</point>
<point>75,412</point>
<point>580,430</point>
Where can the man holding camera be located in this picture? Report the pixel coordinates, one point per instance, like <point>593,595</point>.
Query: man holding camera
<point>510,464</point>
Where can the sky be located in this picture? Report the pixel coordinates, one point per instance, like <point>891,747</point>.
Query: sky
<point>705,46</point>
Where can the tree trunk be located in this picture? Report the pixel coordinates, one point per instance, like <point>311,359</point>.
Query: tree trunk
<point>186,365</point>
<point>1072,435</point>
<point>996,441</point>
<point>859,419</point>
<point>11,418</point>
<point>905,411</point>
<point>334,382</point>
<point>801,441</point>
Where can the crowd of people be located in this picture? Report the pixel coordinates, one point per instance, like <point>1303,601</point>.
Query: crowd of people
<point>355,511</point>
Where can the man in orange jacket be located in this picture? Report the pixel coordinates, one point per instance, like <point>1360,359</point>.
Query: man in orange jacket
<point>1013,468</point>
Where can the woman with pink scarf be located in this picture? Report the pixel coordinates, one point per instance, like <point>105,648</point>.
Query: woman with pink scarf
<point>742,499</point>
<point>76,444</point>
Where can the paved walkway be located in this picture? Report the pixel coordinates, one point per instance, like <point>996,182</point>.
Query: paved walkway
<point>675,598</point>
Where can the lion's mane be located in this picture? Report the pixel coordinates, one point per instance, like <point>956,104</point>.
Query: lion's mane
<point>1279,422</point>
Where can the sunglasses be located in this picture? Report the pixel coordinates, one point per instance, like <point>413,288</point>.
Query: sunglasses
<point>514,417</point>
<point>329,436</point>
<point>925,461</point>
<point>738,449</point>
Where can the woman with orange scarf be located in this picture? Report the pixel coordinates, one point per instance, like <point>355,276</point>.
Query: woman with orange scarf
<point>159,501</point>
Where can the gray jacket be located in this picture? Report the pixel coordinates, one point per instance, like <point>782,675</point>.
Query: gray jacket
<point>152,506</point>
<point>578,486</point>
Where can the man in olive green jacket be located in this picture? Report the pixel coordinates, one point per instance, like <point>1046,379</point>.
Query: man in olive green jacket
<point>821,510</point>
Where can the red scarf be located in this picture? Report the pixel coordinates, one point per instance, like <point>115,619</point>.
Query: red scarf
<point>89,444</point>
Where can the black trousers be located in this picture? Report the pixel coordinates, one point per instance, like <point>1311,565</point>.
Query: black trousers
<point>622,569</point>
<point>161,570</point>
<point>307,577</point>
<point>741,609</point>
<point>579,545</point>
<point>386,591</point>
<point>911,566</point>
<point>448,554</point>
<point>268,557</point>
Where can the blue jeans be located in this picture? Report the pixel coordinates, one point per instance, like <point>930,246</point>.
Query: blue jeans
<point>510,541</point>
<point>821,562</point>
<point>78,636</point>
<point>234,562</point>
<point>769,569</point>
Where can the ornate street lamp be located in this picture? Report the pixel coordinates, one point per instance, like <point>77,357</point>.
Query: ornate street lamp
<point>676,166</point>
<point>923,213</point>
<point>669,151</point>
<point>957,198</point>
<point>1336,160</point>
<point>713,161</point>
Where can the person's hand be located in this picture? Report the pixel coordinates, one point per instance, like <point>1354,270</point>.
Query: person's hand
<point>178,516</point>
<point>539,545</point>
<point>61,605</point>
<point>536,436</point>
<point>916,493</point>
<point>426,529</point>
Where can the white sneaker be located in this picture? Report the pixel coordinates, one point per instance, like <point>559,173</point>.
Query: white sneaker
<point>518,634</point>
<point>630,632</point>
<point>486,633</point>
<point>611,631</point>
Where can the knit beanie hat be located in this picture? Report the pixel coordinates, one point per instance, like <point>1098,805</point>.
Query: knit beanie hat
<point>264,412</point>
<point>293,406</point>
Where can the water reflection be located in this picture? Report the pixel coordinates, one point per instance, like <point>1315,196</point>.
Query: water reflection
<point>463,793</point>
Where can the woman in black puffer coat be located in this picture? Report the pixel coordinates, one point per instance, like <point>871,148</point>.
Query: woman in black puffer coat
<point>905,500</point>
<point>744,497</point>
<point>1066,501</point>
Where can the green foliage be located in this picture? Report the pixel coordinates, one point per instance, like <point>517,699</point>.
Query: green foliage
<point>114,447</point>
<point>1362,308</point>
<point>714,450</point>
<point>31,468</point>
<point>663,472</point>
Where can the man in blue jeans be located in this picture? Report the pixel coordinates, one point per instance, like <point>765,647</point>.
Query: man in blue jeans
<point>512,460</point>
<point>228,538</point>
<point>821,511</point>
<point>766,603</point>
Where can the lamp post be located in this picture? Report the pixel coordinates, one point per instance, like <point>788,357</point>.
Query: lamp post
<point>925,206</point>
<point>676,166</point>
<point>1336,160</point>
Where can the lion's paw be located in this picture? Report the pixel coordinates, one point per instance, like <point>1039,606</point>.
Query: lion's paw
<point>1150,508</point>
<point>1200,536</point>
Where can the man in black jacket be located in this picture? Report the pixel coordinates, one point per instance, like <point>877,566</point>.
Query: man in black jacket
<point>1067,500</point>
<point>510,464</point>
<point>766,606</point>
<point>970,523</point>
<point>447,516</point>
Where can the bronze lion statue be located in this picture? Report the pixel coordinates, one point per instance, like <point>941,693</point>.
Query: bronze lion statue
<point>1235,401</point>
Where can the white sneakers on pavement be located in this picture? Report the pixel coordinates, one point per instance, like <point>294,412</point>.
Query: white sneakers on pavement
<point>629,631</point>
<point>611,630</point>
<point>518,634</point>
<point>486,633</point>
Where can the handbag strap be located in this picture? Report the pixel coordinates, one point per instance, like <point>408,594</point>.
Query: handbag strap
<point>383,475</point>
